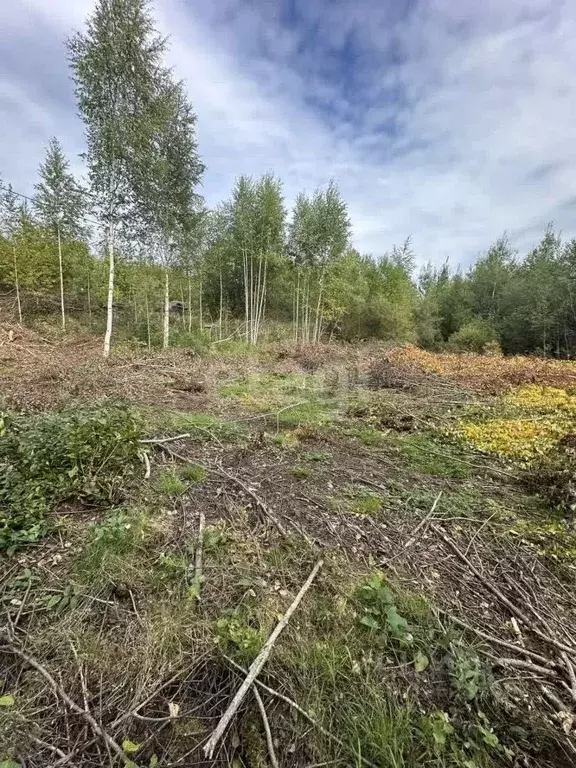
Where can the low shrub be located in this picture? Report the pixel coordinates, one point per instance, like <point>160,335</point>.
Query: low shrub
<point>86,451</point>
<point>476,336</point>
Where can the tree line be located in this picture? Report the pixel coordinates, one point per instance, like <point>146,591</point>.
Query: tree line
<point>134,247</point>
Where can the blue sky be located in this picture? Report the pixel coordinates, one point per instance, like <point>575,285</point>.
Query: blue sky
<point>447,120</point>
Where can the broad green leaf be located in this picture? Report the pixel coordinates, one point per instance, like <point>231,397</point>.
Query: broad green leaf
<point>7,700</point>
<point>369,621</point>
<point>9,764</point>
<point>130,747</point>
<point>421,661</point>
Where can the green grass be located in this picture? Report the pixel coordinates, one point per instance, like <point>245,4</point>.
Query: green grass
<point>169,482</point>
<point>194,473</point>
<point>429,455</point>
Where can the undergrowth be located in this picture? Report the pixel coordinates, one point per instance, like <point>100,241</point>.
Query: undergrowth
<point>87,452</point>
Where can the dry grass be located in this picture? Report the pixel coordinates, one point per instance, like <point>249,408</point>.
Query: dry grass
<point>143,645</point>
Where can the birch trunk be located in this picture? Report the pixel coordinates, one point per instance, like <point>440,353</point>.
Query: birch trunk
<point>148,320</point>
<point>89,303</point>
<point>110,303</point>
<point>17,285</point>
<point>189,304</point>
<point>200,307</point>
<point>221,307</point>
<point>166,334</point>
<point>61,281</point>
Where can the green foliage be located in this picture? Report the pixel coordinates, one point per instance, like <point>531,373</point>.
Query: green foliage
<point>170,483</point>
<point>380,614</point>
<point>467,675</point>
<point>88,452</point>
<point>194,473</point>
<point>237,634</point>
<point>475,336</point>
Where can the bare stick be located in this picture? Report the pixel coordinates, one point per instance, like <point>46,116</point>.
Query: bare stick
<point>498,641</point>
<point>147,465</point>
<point>256,666</point>
<point>199,552</point>
<point>162,440</point>
<point>70,702</point>
<point>503,599</point>
<point>23,603</point>
<point>259,503</point>
<point>297,708</point>
<point>267,731</point>
<point>571,674</point>
<point>520,664</point>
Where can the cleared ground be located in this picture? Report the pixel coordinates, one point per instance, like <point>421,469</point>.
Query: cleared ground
<point>439,630</point>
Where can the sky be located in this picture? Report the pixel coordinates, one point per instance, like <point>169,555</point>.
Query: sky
<point>450,121</point>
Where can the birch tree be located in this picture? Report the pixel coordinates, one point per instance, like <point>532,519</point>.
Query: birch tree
<point>59,204</point>
<point>117,64</point>
<point>319,235</point>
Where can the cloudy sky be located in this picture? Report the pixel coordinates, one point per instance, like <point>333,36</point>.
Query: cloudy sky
<point>447,120</point>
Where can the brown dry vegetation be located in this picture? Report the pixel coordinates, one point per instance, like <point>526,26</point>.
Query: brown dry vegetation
<point>291,455</point>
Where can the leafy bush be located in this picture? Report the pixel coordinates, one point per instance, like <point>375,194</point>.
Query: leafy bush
<point>87,452</point>
<point>476,336</point>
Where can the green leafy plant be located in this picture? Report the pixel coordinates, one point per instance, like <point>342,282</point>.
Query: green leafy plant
<point>380,613</point>
<point>87,451</point>
<point>467,676</point>
<point>68,598</point>
<point>234,630</point>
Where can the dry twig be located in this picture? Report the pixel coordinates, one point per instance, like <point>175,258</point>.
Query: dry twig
<point>266,724</point>
<point>503,599</point>
<point>256,666</point>
<point>297,708</point>
<point>57,688</point>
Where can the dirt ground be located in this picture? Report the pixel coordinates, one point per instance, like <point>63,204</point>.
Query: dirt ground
<point>338,453</point>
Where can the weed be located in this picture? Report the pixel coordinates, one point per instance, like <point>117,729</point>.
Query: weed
<point>467,674</point>
<point>170,483</point>
<point>301,472</point>
<point>285,439</point>
<point>88,451</point>
<point>425,454</point>
<point>380,614</point>
<point>316,456</point>
<point>194,473</point>
<point>366,504</point>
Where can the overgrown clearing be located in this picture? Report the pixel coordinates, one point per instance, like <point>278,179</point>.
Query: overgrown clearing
<point>438,631</point>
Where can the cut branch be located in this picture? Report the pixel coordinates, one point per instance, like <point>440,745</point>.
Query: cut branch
<point>257,666</point>
<point>98,730</point>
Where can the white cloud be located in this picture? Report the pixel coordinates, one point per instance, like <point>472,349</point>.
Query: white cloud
<point>451,123</point>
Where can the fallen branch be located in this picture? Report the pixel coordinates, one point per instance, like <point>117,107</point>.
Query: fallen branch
<point>256,666</point>
<point>571,675</point>
<point>498,641</point>
<point>98,730</point>
<point>198,553</point>
<point>267,731</point>
<point>503,599</point>
<point>146,461</point>
<point>297,708</point>
<point>223,473</point>
<point>162,440</point>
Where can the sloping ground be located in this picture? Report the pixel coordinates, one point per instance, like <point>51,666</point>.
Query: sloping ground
<point>438,630</point>
<point>488,374</point>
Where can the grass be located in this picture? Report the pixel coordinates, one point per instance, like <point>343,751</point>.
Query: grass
<point>110,595</point>
<point>169,482</point>
<point>429,455</point>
